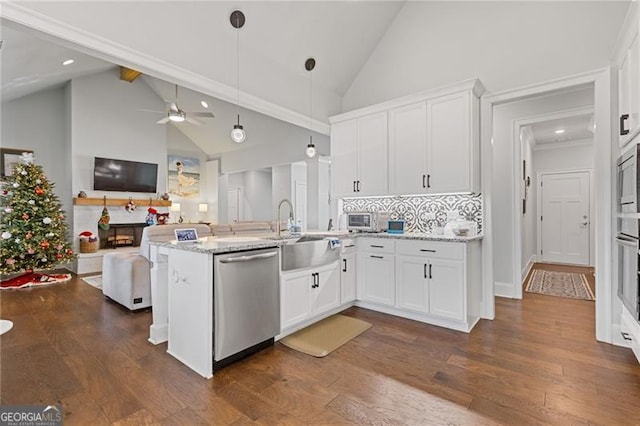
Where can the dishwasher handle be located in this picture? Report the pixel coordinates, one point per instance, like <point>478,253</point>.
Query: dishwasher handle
<point>249,258</point>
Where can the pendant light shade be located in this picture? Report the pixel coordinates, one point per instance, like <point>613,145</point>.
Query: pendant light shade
<point>237,19</point>
<point>309,65</point>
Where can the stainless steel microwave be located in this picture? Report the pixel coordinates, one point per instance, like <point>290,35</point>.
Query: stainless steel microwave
<point>628,181</point>
<point>367,221</point>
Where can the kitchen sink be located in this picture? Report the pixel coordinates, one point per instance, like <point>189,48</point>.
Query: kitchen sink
<point>308,251</point>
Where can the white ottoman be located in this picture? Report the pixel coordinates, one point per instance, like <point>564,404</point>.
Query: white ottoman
<point>125,279</point>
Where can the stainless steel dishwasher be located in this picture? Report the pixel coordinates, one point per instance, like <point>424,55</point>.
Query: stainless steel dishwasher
<point>246,304</point>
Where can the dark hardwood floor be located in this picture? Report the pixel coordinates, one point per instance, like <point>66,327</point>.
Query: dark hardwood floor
<point>537,363</point>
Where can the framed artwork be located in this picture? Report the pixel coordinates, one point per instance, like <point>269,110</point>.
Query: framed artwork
<point>183,176</point>
<point>9,157</point>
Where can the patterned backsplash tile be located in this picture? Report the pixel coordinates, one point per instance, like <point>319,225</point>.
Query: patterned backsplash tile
<point>417,210</point>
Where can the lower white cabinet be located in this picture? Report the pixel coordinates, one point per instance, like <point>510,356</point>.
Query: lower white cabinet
<point>308,293</point>
<point>376,281</point>
<point>348,277</point>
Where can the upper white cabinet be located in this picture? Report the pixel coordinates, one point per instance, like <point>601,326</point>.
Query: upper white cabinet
<point>433,145</point>
<point>628,66</point>
<point>359,156</point>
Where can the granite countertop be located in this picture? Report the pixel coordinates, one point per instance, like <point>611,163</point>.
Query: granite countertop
<point>218,245</point>
<point>406,236</point>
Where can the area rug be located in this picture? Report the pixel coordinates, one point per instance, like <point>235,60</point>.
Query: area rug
<point>31,279</point>
<point>560,284</point>
<point>94,280</point>
<point>5,325</point>
<point>323,337</point>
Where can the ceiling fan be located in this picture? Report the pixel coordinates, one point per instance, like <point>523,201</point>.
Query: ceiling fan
<point>177,115</point>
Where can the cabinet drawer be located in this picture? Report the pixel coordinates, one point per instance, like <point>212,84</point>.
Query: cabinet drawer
<point>433,249</point>
<point>375,245</point>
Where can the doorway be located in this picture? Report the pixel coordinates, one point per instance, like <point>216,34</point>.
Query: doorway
<point>235,209</point>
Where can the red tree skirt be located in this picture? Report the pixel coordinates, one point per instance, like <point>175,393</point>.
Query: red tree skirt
<point>33,279</point>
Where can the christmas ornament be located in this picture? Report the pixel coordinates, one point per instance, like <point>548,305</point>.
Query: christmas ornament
<point>39,191</point>
<point>38,181</point>
<point>27,157</point>
<point>30,250</point>
<point>10,261</point>
<point>43,260</point>
<point>17,240</point>
<point>103,222</point>
<point>16,185</point>
<point>6,235</point>
<point>44,244</point>
<point>31,202</point>
<point>23,173</point>
<point>29,235</point>
<point>50,234</point>
<point>8,210</point>
<point>58,256</point>
<point>46,220</point>
<point>25,216</point>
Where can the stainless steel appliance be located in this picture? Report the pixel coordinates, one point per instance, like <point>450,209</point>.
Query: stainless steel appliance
<point>367,221</point>
<point>628,284</point>
<point>628,181</point>
<point>246,302</point>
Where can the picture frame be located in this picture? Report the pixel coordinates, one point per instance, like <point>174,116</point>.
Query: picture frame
<point>9,157</point>
<point>186,235</point>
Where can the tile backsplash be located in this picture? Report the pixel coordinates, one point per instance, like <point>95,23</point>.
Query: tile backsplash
<point>422,212</point>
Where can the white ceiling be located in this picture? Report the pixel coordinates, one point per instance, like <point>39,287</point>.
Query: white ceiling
<point>576,128</point>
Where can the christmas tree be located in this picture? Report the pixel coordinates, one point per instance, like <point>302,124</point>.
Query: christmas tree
<point>34,232</point>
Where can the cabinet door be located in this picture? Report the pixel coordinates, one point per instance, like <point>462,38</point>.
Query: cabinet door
<point>623,95</point>
<point>376,280</point>
<point>348,278</point>
<point>191,309</point>
<point>446,289</point>
<point>372,155</point>
<point>327,295</point>
<point>634,86</point>
<point>412,283</point>
<point>449,150</point>
<point>295,297</point>
<point>344,137</point>
<point>408,149</point>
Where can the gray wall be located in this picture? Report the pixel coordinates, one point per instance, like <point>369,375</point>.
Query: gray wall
<point>40,122</point>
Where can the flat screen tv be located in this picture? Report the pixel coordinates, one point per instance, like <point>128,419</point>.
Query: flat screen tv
<point>122,175</point>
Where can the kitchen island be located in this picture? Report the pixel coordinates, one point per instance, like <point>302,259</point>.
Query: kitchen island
<point>425,277</point>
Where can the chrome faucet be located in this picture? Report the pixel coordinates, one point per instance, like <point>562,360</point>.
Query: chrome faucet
<point>284,200</point>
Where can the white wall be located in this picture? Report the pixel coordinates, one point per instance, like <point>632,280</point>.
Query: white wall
<point>527,226</point>
<point>40,122</point>
<point>505,44</point>
<point>503,179</point>
<point>258,195</point>
<point>281,184</point>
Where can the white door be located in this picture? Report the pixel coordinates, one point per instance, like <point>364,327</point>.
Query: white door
<point>564,221</point>
<point>234,205</point>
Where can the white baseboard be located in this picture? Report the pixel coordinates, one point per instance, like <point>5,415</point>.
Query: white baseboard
<point>503,289</point>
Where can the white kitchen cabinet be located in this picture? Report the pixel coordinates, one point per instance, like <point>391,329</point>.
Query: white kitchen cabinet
<point>447,297</point>
<point>628,68</point>
<point>348,277</point>
<point>308,293</point>
<point>376,271</point>
<point>359,156</point>
<point>434,144</point>
<point>412,282</point>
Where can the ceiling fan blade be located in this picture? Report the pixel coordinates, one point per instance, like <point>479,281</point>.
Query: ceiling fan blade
<point>202,114</point>
<point>163,120</point>
<point>194,121</point>
<point>151,110</point>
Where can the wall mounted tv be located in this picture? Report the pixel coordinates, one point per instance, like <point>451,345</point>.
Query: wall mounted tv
<point>122,175</point>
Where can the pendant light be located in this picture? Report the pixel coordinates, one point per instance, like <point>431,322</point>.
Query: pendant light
<point>237,19</point>
<point>309,65</point>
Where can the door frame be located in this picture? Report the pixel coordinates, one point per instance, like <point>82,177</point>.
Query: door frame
<point>539,175</point>
<point>603,81</point>
<point>240,191</point>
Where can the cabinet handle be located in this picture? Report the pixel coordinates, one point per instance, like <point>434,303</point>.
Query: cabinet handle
<point>371,245</point>
<point>425,270</point>
<point>350,245</point>
<point>377,257</point>
<point>345,265</point>
<point>623,131</point>
<point>625,336</point>
<point>354,186</point>
<point>428,181</point>
<point>430,276</point>
<point>316,279</point>
<point>424,185</point>
<point>358,186</point>
<point>428,250</point>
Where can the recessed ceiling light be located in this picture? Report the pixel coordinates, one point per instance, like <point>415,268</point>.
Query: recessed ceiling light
<point>68,62</point>
<point>559,132</point>
<point>204,104</point>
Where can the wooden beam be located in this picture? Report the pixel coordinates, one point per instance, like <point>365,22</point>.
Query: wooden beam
<point>127,74</point>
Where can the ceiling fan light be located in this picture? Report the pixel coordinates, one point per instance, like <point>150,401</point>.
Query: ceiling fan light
<point>238,135</point>
<point>176,116</point>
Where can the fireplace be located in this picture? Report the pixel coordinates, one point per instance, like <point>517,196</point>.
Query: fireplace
<point>121,235</point>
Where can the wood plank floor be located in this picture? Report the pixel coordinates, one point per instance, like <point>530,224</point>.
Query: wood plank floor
<point>537,363</point>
